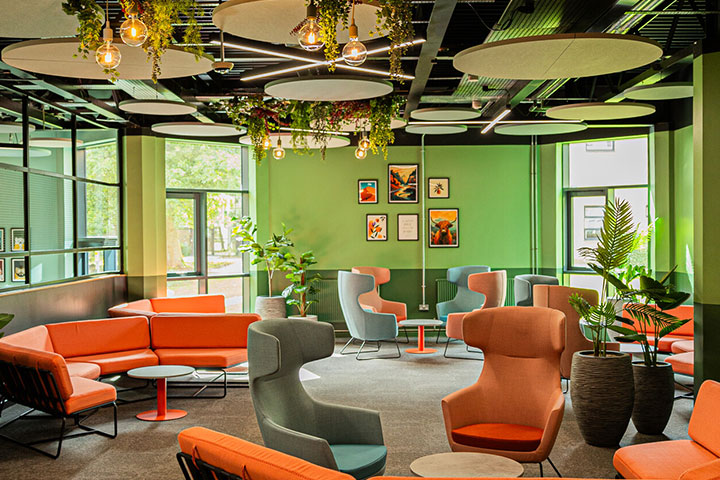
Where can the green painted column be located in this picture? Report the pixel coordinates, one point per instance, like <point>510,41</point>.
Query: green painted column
<point>706,178</point>
<point>144,215</point>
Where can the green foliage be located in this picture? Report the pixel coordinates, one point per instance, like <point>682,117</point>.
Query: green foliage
<point>271,253</point>
<point>382,112</point>
<point>303,284</point>
<point>395,17</point>
<point>102,202</point>
<point>90,19</point>
<point>5,318</point>
<point>332,13</point>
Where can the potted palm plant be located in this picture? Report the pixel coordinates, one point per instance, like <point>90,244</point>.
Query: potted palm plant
<point>602,387</point>
<point>272,255</point>
<point>299,292</point>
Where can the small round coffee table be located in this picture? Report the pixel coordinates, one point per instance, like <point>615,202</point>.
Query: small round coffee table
<point>466,465</point>
<point>161,373</point>
<point>421,324</point>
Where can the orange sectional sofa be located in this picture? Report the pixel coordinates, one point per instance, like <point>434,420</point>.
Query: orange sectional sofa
<point>684,333</point>
<point>151,307</point>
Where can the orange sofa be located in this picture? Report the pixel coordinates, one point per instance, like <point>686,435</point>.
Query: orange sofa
<point>685,332</point>
<point>151,307</point>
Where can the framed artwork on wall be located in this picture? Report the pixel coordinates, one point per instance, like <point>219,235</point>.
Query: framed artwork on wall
<point>403,183</point>
<point>2,270</point>
<point>2,239</point>
<point>376,227</point>
<point>444,225</point>
<point>407,230</point>
<point>438,188</point>
<point>17,239</point>
<point>17,269</point>
<point>367,191</point>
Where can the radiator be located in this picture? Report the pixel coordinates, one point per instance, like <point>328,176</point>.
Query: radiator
<point>327,307</point>
<point>446,291</point>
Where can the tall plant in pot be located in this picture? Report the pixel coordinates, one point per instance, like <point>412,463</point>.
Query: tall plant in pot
<point>271,255</point>
<point>299,293</point>
<point>601,387</point>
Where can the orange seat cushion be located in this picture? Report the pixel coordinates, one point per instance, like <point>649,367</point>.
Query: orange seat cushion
<point>89,393</point>
<point>683,346</point>
<point>201,357</point>
<point>93,337</point>
<point>117,362</point>
<point>702,472</point>
<point>132,309</point>
<point>499,436</point>
<point>36,338</point>
<point>660,459</point>
<point>40,360</point>
<point>193,304</point>
<point>82,369</point>
<point>683,363</point>
<point>226,330</point>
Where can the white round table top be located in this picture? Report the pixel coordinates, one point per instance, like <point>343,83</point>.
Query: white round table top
<point>435,129</point>
<point>660,91</point>
<point>328,88</point>
<point>524,129</point>
<point>600,111</point>
<point>46,19</point>
<point>335,141</point>
<point>54,56</point>
<point>17,152</point>
<point>273,20</point>
<point>53,142</point>
<point>445,114</point>
<point>157,107</point>
<point>421,322</point>
<point>466,465</point>
<point>160,371</point>
<point>197,129</point>
<point>565,55</point>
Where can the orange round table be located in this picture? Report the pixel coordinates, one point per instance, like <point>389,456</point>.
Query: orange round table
<point>421,324</point>
<point>161,373</point>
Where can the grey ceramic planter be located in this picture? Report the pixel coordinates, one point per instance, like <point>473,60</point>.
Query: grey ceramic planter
<point>270,307</point>
<point>602,392</point>
<point>654,397</point>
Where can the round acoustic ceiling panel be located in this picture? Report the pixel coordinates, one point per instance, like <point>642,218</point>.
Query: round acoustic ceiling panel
<point>335,141</point>
<point>435,129</point>
<point>272,20</point>
<point>444,114</point>
<point>157,107</point>
<point>328,88</point>
<point>600,111</point>
<point>526,129</point>
<point>53,142</point>
<point>54,56</point>
<point>660,91</point>
<point>565,55</point>
<point>36,19</point>
<point>197,129</point>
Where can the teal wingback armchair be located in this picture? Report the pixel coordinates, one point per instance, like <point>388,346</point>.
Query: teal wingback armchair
<point>523,288</point>
<point>347,439</point>
<point>465,300</point>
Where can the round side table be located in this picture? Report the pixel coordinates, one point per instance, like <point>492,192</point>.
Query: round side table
<point>161,373</point>
<point>466,465</point>
<point>421,324</point>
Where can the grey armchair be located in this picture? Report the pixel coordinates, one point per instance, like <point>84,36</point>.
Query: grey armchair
<point>347,439</point>
<point>523,286</point>
<point>363,325</point>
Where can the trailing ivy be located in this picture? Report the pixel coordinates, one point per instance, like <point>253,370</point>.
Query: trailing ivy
<point>332,13</point>
<point>382,112</point>
<point>90,19</point>
<point>395,18</point>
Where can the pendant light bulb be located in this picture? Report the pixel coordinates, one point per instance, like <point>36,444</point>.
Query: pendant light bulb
<point>310,36</point>
<point>267,143</point>
<point>108,55</point>
<point>354,52</point>
<point>279,151</point>
<point>364,143</point>
<point>133,31</point>
<point>360,153</point>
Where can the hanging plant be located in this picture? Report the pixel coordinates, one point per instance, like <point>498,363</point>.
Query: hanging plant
<point>332,13</point>
<point>259,116</point>
<point>382,112</point>
<point>395,17</point>
<point>90,19</point>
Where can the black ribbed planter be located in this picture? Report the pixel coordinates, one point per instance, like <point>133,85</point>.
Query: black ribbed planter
<point>602,392</point>
<point>654,397</point>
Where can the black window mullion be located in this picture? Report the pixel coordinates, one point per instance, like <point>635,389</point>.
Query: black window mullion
<point>73,157</point>
<point>201,238</point>
<point>26,185</point>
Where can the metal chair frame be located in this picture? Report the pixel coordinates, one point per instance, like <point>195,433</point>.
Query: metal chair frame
<point>358,352</point>
<point>196,469</point>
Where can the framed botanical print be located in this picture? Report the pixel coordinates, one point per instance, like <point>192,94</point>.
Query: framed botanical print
<point>407,229</point>
<point>376,227</point>
<point>2,270</point>
<point>17,239</point>
<point>17,269</point>
<point>403,183</point>
<point>443,224</point>
<point>438,188</point>
<point>2,239</point>
<point>367,191</point>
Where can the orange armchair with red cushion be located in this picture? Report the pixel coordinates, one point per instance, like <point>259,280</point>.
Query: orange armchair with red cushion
<point>372,300</point>
<point>153,306</point>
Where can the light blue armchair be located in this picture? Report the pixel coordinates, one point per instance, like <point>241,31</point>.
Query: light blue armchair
<point>523,287</point>
<point>364,326</point>
<point>465,300</point>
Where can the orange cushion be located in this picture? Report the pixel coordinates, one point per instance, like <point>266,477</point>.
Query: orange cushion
<point>193,304</point>
<point>132,309</point>
<point>248,460</point>
<point>201,357</point>
<point>92,337</point>
<point>683,363</point>
<point>665,343</point>
<point>36,338</point>
<point>85,370</point>
<point>227,330</point>
<point>117,362</point>
<point>660,459</point>
<point>703,472</point>
<point>40,360</point>
<point>499,436</point>
<point>89,393</point>
<point>704,427</point>
<point>683,346</point>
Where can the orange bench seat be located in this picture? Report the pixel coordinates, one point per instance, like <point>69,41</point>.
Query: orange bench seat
<point>202,357</point>
<point>669,459</point>
<point>151,307</point>
<point>119,362</point>
<point>683,363</point>
<point>684,332</point>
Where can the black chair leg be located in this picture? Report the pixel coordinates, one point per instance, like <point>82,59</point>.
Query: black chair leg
<point>554,467</point>
<point>541,470</point>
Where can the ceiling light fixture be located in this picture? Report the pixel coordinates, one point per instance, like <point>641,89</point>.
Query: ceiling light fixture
<point>485,122</point>
<point>279,151</point>
<point>222,67</point>
<point>310,35</point>
<point>360,154</point>
<point>108,55</point>
<point>354,52</point>
<point>267,143</point>
<point>364,142</point>
<point>133,31</point>
<point>500,116</point>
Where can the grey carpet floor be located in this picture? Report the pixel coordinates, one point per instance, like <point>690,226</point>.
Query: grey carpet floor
<point>407,392</point>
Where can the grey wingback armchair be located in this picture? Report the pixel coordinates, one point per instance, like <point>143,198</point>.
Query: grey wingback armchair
<point>523,287</point>
<point>347,439</point>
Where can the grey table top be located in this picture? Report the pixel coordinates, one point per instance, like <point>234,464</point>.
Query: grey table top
<point>421,322</point>
<point>466,465</point>
<point>160,371</point>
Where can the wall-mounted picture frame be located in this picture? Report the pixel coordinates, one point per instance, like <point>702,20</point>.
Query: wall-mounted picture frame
<point>17,270</point>
<point>2,270</point>
<point>444,227</point>
<point>367,191</point>
<point>403,183</point>
<point>17,239</point>
<point>376,227</point>
<point>407,229</point>
<point>2,239</point>
<point>439,187</point>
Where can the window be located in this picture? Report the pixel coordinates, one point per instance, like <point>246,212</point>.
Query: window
<point>60,215</point>
<point>206,190</point>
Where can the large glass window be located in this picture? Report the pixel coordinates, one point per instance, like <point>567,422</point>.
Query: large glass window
<point>206,195</point>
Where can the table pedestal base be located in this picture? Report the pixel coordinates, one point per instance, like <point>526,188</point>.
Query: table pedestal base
<point>420,351</point>
<point>155,416</point>
<point>421,344</point>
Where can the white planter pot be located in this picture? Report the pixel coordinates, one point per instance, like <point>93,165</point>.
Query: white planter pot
<point>270,307</point>
<point>307,317</point>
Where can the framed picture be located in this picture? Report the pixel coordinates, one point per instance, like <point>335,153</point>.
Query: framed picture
<point>376,227</point>
<point>403,183</point>
<point>17,239</point>
<point>444,227</point>
<point>367,191</point>
<point>17,269</point>
<point>2,239</point>
<point>407,227</point>
<point>2,270</point>
<point>438,188</point>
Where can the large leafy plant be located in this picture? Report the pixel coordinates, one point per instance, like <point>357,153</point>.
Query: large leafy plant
<point>5,318</point>
<point>299,292</point>
<point>271,253</point>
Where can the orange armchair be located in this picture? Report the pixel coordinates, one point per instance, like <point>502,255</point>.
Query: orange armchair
<point>372,300</point>
<point>516,407</point>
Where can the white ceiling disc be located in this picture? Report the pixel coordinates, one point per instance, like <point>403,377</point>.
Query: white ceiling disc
<point>272,20</point>
<point>37,19</point>
<point>13,127</point>
<point>660,91</point>
<point>445,114</point>
<point>525,129</point>
<point>333,141</point>
<point>52,142</point>
<point>600,111</point>
<point>435,129</point>
<point>364,124</point>
<point>328,88</point>
<point>157,107</point>
<point>565,55</point>
<point>11,152</point>
<point>54,56</point>
<point>198,129</point>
